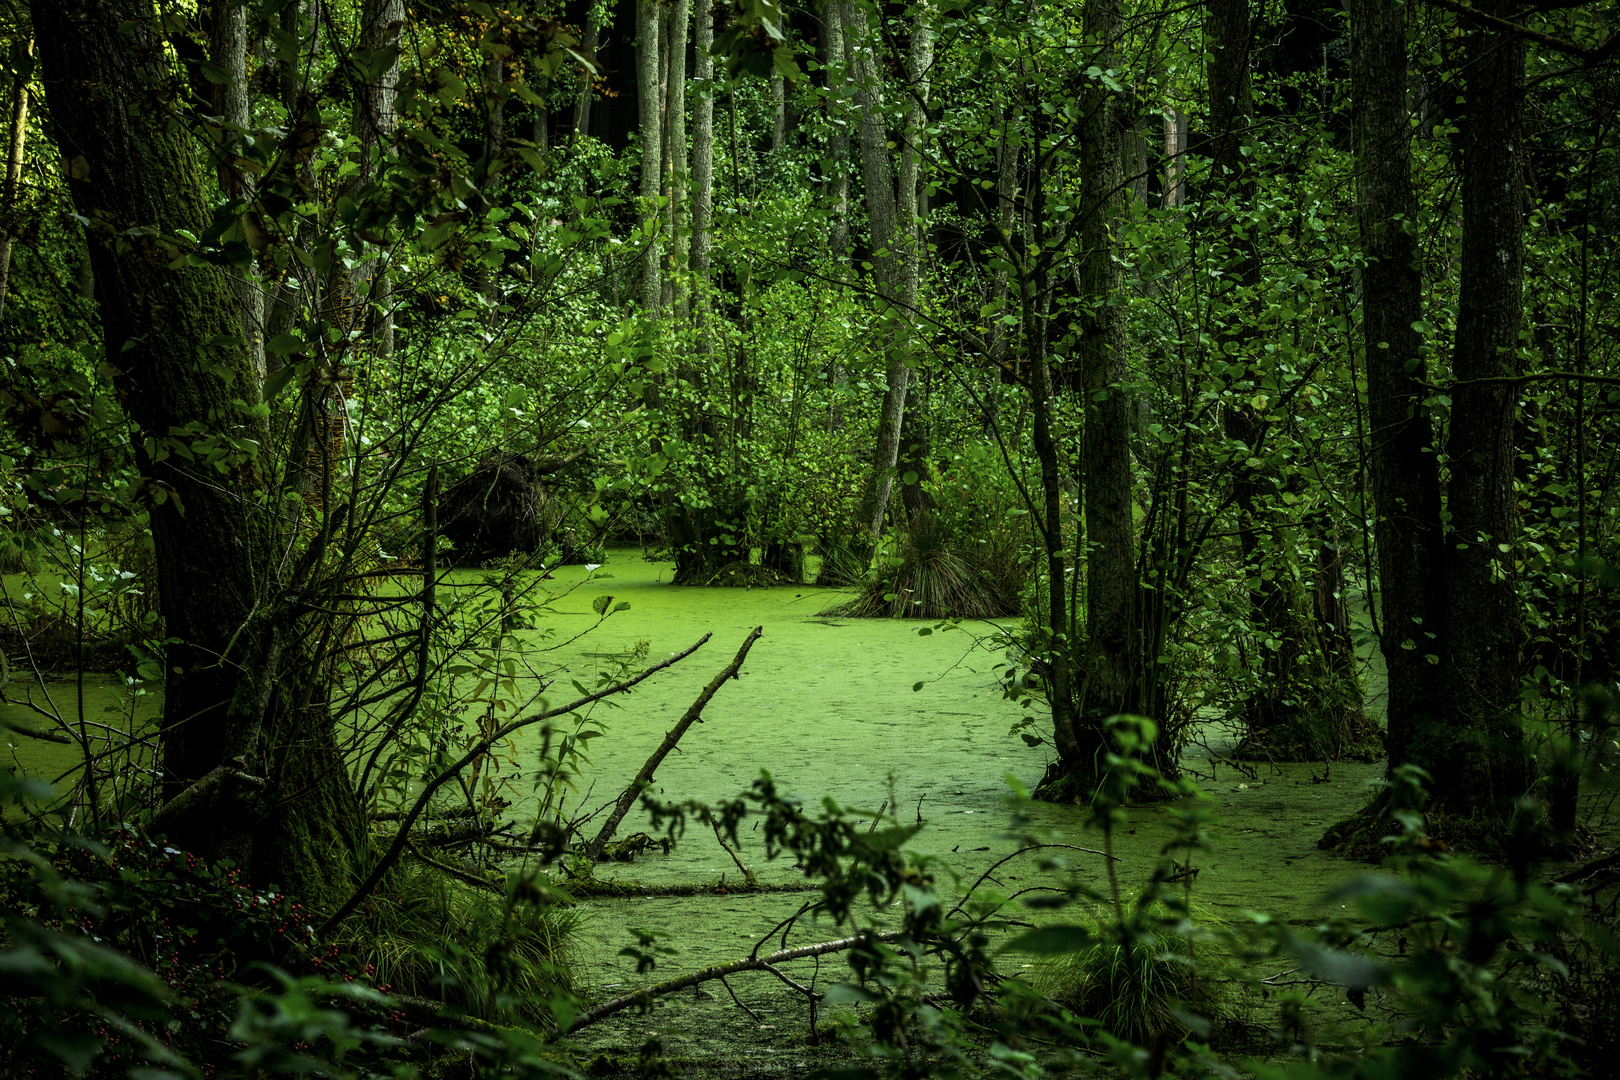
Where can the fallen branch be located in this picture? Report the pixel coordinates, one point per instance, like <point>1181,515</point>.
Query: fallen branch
<point>455,871</point>
<point>693,714</point>
<point>202,789</point>
<point>748,875</point>
<point>478,750</point>
<point>997,865</point>
<point>720,971</point>
<point>446,834</point>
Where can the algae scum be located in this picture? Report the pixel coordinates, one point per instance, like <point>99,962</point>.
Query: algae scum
<point>827,705</point>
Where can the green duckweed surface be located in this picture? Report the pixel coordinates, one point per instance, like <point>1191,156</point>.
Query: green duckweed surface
<point>827,706</point>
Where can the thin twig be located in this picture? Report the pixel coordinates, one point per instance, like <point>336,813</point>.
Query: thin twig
<point>738,1000</point>
<point>693,714</point>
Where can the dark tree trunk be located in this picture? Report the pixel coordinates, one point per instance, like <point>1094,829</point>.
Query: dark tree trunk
<point>174,336</point>
<point>1404,471</point>
<point>1112,650</point>
<point>1475,752</point>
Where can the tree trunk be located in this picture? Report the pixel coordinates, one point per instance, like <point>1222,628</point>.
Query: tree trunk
<point>227,689</point>
<point>1475,752</point>
<point>1295,704</point>
<point>582,107</point>
<point>650,99</point>
<point>375,118</point>
<point>229,52</point>
<point>675,143</point>
<point>1404,473</point>
<point>836,60</point>
<point>1112,650</point>
<point>778,113</point>
<point>14,163</point>
<point>702,166</point>
<point>877,175</point>
<point>911,234</point>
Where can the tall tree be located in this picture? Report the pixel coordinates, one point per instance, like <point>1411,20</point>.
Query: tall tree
<point>229,29</point>
<point>253,765</point>
<point>1403,468</point>
<point>1474,749</point>
<point>1112,649</point>
<point>650,99</point>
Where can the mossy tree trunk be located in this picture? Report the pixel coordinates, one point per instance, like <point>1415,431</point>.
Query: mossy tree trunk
<point>188,387</point>
<point>1113,656</point>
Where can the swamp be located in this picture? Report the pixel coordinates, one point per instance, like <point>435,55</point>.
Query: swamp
<point>596,538</point>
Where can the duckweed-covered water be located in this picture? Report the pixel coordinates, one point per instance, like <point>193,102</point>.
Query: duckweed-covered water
<point>827,705</point>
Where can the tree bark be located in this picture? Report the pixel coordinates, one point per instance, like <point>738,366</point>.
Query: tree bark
<point>1476,753</point>
<point>226,695</point>
<point>582,107</point>
<point>231,105</point>
<point>911,234</point>
<point>1403,469</point>
<point>702,164</point>
<point>650,99</point>
<point>375,118</point>
<point>1112,649</point>
<point>675,143</point>
<point>877,174</point>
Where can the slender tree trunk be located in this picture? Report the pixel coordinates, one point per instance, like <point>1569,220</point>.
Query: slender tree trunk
<point>650,99</point>
<point>912,234</point>
<point>778,113</point>
<point>171,335</point>
<point>14,163</point>
<point>877,176</point>
<point>675,142</point>
<point>381,21</point>
<point>229,52</point>
<point>295,285</point>
<point>703,165</point>
<point>1476,753</point>
<point>582,106</point>
<point>1404,472</point>
<point>836,59</point>
<point>1295,702</point>
<point>1113,648</point>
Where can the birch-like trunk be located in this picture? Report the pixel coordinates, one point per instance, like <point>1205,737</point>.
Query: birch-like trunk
<point>877,175</point>
<point>650,100</point>
<point>375,121</point>
<point>703,163</point>
<point>912,234</point>
<point>778,113</point>
<point>582,107</point>
<point>231,103</point>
